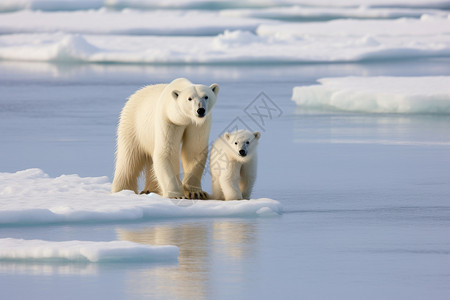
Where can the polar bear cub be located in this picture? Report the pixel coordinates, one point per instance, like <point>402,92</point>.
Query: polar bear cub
<point>233,165</point>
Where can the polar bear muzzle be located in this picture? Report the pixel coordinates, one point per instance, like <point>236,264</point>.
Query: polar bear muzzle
<point>201,112</point>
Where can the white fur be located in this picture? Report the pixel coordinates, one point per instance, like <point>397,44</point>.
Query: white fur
<point>154,123</point>
<point>233,175</point>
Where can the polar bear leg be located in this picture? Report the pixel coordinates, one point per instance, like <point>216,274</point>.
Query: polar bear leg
<point>217,193</point>
<point>167,175</point>
<point>151,184</point>
<point>128,167</point>
<point>248,179</point>
<point>230,188</point>
<point>194,153</point>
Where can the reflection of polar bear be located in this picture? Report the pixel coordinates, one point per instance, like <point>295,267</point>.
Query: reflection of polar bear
<point>154,122</point>
<point>233,165</point>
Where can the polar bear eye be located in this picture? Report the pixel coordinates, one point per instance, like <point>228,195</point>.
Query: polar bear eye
<point>190,99</point>
<point>247,142</point>
<point>206,97</point>
<point>235,143</point>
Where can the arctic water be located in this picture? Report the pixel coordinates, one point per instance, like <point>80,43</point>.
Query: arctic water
<point>365,196</point>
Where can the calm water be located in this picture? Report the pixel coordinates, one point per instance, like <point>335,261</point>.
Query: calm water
<point>366,197</point>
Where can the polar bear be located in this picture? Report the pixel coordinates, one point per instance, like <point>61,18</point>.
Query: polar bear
<point>232,163</point>
<point>154,123</point>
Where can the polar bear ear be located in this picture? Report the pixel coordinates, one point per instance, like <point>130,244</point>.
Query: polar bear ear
<point>175,94</point>
<point>215,88</point>
<point>227,135</point>
<point>257,135</point>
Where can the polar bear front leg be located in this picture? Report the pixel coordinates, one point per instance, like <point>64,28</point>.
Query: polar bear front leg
<point>230,189</point>
<point>229,182</point>
<point>194,153</point>
<point>248,178</point>
<point>168,180</point>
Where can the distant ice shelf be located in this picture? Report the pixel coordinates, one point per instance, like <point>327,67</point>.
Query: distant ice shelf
<point>32,197</point>
<point>83,251</point>
<point>406,95</point>
<point>55,5</point>
<point>220,40</point>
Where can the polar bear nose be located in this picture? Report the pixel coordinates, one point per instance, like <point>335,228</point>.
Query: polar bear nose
<point>201,112</point>
<point>242,152</point>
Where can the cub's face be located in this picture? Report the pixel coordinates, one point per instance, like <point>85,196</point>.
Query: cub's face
<point>242,143</point>
<point>196,101</point>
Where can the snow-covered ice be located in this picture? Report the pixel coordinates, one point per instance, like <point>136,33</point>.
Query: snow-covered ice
<point>32,197</point>
<point>52,5</point>
<point>126,22</point>
<point>377,94</point>
<point>312,13</point>
<point>83,251</point>
<point>153,37</point>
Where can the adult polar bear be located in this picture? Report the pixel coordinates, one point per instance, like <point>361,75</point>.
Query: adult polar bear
<point>154,122</point>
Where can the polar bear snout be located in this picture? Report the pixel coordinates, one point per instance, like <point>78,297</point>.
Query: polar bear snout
<point>201,112</point>
<point>242,153</point>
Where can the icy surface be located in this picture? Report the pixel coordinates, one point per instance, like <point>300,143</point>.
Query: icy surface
<point>83,251</point>
<point>311,13</point>
<point>126,22</point>
<point>377,94</point>
<point>32,197</point>
<point>51,5</point>
<point>59,36</point>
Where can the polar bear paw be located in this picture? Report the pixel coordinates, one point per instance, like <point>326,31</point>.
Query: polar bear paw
<point>191,192</point>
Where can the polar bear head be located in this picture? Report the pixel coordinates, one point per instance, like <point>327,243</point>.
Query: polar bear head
<point>242,143</point>
<point>196,101</point>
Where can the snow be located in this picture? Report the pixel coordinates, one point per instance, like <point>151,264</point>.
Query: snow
<point>32,197</point>
<point>125,22</point>
<point>60,38</point>
<point>429,94</point>
<point>305,13</point>
<point>83,251</point>
<point>53,5</point>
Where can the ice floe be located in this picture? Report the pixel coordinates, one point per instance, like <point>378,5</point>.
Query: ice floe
<point>333,41</point>
<point>377,94</point>
<point>311,13</point>
<point>55,5</point>
<point>125,22</point>
<point>32,197</point>
<point>84,251</point>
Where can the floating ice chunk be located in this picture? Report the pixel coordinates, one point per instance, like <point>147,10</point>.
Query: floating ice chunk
<point>377,94</point>
<point>84,251</point>
<point>238,38</point>
<point>32,197</point>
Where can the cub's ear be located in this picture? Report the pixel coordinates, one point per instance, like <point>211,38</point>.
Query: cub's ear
<point>227,136</point>
<point>175,94</point>
<point>257,135</point>
<point>215,88</point>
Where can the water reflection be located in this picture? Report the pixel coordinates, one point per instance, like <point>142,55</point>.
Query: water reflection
<point>48,269</point>
<point>231,241</point>
<point>382,129</point>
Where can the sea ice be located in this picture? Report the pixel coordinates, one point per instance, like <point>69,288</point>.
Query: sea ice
<point>377,94</point>
<point>333,41</point>
<point>32,197</point>
<point>126,22</point>
<point>54,5</point>
<point>305,13</point>
<point>84,251</point>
